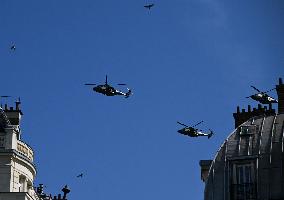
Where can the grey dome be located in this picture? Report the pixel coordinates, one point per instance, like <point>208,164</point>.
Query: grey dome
<point>257,143</point>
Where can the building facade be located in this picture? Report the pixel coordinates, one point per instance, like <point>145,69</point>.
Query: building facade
<point>249,165</point>
<point>17,170</point>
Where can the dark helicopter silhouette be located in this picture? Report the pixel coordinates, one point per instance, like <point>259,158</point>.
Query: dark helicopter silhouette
<point>108,90</point>
<point>193,132</point>
<point>149,6</point>
<point>262,97</point>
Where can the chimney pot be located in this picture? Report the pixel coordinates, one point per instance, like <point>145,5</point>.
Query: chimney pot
<point>249,108</point>
<point>238,109</point>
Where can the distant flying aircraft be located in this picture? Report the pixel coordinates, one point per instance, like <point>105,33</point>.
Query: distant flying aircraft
<point>262,97</point>
<point>192,131</point>
<point>13,47</point>
<point>80,175</point>
<point>108,90</point>
<point>149,6</point>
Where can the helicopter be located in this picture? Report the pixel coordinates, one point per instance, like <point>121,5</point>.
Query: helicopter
<point>193,132</point>
<point>108,90</point>
<point>262,97</point>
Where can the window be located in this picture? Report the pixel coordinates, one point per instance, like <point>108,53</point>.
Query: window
<point>247,130</point>
<point>22,183</point>
<point>243,186</point>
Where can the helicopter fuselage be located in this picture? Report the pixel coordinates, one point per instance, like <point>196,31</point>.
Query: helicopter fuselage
<point>110,91</point>
<point>263,98</point>
<point>105,89</point>
<point>190,131</point>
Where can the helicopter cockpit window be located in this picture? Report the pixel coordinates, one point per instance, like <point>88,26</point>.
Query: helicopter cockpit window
<point>247,130</point>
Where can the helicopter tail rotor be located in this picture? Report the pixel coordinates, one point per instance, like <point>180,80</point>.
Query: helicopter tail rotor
<point>128,93</point>
<point>210,134</point>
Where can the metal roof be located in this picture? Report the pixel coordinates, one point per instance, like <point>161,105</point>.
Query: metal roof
<point>4,121</point>
<point>260,140</point>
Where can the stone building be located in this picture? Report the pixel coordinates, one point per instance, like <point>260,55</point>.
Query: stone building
<point>17,170</point>
<point>249,165</point>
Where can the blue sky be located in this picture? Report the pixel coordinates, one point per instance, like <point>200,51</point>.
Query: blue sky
<point>186,60</point>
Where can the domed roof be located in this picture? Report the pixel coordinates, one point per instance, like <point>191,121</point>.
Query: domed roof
<point>258,141</point>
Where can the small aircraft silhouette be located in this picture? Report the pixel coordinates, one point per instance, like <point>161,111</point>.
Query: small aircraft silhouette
<point>262,97</point>
<point>149,6</point>
<point>13,47</point>
<point>80,175</point>
<point>108,90</point>
<point>193,132</point>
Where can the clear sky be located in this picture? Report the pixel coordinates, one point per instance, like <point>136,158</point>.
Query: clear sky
<point>186,60</point>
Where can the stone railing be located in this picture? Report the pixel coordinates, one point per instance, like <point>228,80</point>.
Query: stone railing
<point>26,150</point>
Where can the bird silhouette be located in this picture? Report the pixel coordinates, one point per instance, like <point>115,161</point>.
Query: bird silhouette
<point>149,6</point>
<point>80,175</point>
<point>13,47</point>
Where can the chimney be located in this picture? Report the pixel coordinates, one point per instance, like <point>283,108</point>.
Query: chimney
<point>14,114</point>
<point>280,93</point>
<point>243,116</point>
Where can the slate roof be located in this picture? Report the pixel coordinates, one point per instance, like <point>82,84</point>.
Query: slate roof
<point>263,144</point>
<point>4,121</point>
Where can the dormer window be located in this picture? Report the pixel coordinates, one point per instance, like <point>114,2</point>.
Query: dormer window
<point>247,130</point>
<point>243,185</point>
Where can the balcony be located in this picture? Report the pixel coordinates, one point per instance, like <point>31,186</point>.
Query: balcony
<point>245,191</point>
<point>25,150</point>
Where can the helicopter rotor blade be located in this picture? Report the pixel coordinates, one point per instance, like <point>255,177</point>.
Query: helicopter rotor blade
<point>269,90</point>
<point>121,84</point>
<point>182,124</point>
<point>90,84</point>
<point>106,79</point>
<point>4,96</point>
<point>255,88</point>
<point>197,123</point>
